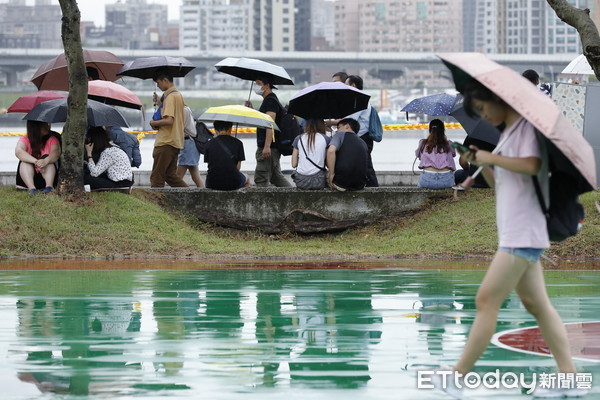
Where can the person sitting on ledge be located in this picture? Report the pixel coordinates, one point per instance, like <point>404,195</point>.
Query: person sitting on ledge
<point>224,155</point>
<point>106,166</point>
<point>38,153</point>
<point>437,158</point>
<point>347,157</point>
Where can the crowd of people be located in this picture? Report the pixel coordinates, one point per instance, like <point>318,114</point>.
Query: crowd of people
<point>329,153</point>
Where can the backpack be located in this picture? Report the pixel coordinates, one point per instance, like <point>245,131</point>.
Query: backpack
<point>564,215</point>
<point>375,127</point>
<point>203,135</point>
<point>289,129</point>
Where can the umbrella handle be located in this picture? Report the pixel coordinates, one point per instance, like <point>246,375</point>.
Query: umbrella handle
<point>250,93</point>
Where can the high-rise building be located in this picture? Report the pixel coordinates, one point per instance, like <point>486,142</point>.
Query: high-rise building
<point>273,25</point>
<point>393,26</point>
<point>37,26</point>
<point>215,25</point>
<point>136,24</point>
<point>302,25</point>
<point>480,26</point>
<point>322,25</point>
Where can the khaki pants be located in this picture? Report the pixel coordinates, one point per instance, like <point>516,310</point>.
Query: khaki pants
<point>268,170</point>
<point>164,168</point>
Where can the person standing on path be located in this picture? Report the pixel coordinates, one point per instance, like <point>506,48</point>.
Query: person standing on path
<point>268,168</point>
<point>170,137</point>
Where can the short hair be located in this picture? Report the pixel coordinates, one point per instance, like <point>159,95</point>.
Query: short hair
<point>222,126</point>
<point>342,75</point>
<point>356,81</point>
<point>354,125</point>
<point>162,74</point>
<point>531,76</point>
<point>92,73</point>
<point>267,80</point>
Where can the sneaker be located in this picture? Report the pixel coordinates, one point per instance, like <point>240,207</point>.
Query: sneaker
<point>449,385</point>
<point>47,189</point>
<point>558,393</point>
<point>32,191</point>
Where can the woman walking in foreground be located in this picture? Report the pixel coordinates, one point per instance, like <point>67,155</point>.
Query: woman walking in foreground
<point>522,235</point>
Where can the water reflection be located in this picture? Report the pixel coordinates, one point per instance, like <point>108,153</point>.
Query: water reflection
<point>260,333</point>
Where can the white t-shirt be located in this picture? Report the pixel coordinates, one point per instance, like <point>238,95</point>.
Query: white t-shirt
<point>316,153</point>
<point>519,216</point>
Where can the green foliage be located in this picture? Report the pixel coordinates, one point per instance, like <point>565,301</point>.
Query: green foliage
<point>118,225</point>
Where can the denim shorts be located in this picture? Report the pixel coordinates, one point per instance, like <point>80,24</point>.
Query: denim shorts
<point>189,155</point>
<point>432,180</point>
<point>528,253</point>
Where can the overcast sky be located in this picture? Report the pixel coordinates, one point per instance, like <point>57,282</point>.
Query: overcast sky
<point>93,10</point>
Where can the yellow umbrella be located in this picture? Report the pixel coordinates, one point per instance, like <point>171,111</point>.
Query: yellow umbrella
<point>240,115</point>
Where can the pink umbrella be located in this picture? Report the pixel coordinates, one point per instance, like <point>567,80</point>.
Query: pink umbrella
<point>113,94</point>
<point>24,104</point>
<point>528,101</point>
<point>53,74</point>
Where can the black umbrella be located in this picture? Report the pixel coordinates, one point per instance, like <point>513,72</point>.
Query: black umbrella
<point>328,100</point>
<point>146,67</point>
<point>476,128</point>
<point>98,114</point>
<point>251,69</point>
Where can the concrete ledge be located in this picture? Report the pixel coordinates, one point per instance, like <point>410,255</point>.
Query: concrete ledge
<point>142,178</point>
<point>274,210</point>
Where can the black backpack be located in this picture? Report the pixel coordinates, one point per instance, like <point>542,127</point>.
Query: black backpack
<point>203,135</point>
<point>289,129</point>
<point>564,215</point>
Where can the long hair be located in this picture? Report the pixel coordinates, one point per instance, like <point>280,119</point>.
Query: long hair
<point>98,136</point>
<point>37,140</point>
<point>437,138</point>
<point>312,127</point>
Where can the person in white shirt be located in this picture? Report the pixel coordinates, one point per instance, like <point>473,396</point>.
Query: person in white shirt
<point>308,156</point>
<point>106,165</point>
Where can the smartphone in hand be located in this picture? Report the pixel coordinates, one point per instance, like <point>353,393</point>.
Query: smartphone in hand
<point>461,148</point>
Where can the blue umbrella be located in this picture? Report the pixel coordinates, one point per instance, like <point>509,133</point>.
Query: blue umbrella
<point>435,105</point>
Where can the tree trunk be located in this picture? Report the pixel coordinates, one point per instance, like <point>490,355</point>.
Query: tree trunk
<point>71,173</point>
<point>588,32</point>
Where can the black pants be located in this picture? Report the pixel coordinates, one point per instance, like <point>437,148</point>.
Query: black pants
<point>102,181</point>
<point>371,177</point>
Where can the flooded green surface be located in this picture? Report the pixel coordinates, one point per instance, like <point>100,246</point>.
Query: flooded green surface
<point>266,334</point>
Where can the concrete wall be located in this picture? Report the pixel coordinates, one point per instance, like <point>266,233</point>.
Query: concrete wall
<point>142,178</point>
<point>281,209</point>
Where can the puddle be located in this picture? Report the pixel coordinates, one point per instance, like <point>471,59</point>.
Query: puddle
<point>255,332</point>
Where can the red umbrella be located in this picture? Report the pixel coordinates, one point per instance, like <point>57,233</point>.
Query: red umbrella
<point>24,104</point>
<point>53,74</point>
<point>114,94</point>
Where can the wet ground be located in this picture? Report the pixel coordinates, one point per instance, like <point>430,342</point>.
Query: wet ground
<point>360,331</point>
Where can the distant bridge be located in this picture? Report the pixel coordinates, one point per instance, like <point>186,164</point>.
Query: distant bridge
<point>299,63</point>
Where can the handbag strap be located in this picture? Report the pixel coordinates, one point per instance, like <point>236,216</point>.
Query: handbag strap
<point>308,158</point>
<point>226,150</point>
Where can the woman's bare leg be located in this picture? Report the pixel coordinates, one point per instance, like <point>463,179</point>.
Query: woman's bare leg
<point>532,291</point>
<point>502,276</point>
<point>195,173</point>
<point>49,173</point>
<point>27,172</point>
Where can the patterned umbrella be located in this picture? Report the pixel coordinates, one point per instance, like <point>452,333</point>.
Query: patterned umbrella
<point>435,105</point>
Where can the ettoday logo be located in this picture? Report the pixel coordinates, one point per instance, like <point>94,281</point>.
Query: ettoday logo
<point>505,380</point>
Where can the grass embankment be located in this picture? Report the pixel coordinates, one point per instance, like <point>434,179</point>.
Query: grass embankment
<point>117,225</point>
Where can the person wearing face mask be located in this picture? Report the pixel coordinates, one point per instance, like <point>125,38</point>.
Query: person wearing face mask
<point>268,168</point>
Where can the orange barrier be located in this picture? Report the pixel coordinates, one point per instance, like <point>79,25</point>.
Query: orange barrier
<point>395,127</point>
